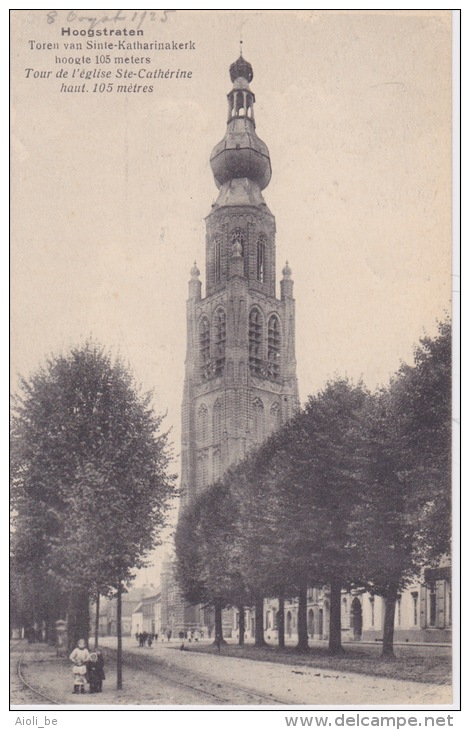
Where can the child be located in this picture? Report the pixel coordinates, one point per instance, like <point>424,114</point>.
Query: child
<point>79,657</point>
<point>93,673</point>
<point>102,676</point>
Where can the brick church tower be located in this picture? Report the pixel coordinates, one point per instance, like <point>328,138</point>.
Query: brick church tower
<point>240,382</point>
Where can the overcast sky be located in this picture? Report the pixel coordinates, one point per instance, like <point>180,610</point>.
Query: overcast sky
<point>110,191</point>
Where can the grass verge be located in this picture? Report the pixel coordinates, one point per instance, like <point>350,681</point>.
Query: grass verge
<point>428,664</point>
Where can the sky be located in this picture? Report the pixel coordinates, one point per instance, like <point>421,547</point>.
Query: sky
<point>110,191</point>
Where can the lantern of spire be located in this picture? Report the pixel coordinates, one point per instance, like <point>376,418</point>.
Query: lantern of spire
<point>241,154</point>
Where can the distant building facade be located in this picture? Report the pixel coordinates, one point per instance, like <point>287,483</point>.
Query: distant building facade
<point>108,611</point>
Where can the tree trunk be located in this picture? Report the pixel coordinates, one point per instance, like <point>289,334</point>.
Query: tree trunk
<point>281,633</point>
<point>241,625</point>
<point>219,637</point>
<point>302,644</point>
<point>389,623</point>
<point>119,637</point>
<point>78,617</point>
<point>97,619</point>
<point>334,645</point>
<point>259,630</point>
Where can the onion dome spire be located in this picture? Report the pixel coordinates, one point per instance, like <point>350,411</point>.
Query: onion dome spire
<point>241,68</point>
<point>194,285</point>
<point>241,153</point>
<point>287,271</point>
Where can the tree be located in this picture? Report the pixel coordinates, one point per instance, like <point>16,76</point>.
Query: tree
<point>323,484</point>
<point>90,479</point>
<point>208,551</point>
<point>405,522</point>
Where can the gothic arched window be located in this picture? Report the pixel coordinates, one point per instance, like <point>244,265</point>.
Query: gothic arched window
<point>275,416</point>
<point>257,420</point>
<point>274,346</point>
<point>261,258</point>
<point>219,341</point>
<point>202,424</point>
<point>255,337</point>
<point>202,476</point>
<point>204,346</point>
<point>217,240</point>
<point>217,422</point>
<point>216,463</point>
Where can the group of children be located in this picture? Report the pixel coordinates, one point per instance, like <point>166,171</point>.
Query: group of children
<point>87,667</point>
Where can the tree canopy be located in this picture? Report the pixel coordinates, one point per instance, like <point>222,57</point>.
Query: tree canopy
<point>90,482</point>
<point>353,491</point>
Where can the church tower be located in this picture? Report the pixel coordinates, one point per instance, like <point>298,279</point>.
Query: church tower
<point>240,381</point>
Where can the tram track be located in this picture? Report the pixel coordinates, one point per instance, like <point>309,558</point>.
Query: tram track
<point>163,672</point>
<point>30,688</point>
<point>213,692</point>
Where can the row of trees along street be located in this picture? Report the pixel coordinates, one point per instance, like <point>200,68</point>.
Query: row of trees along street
<point>90,489</point>
<point>354,491</point>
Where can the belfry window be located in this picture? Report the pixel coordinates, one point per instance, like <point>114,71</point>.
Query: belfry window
<point>220,336</point>
<point>261,258</point>
<point>255,336</point>
<point>204,346</point>
<point>274,346</point>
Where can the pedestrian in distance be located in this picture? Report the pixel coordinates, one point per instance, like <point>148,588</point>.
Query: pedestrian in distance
<point>149,641</point>
<point>79,658</point>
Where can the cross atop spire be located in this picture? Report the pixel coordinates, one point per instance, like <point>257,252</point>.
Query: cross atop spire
<point>241,48</point>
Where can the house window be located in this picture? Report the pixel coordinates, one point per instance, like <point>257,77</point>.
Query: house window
<point>399,610</point>
<point>450,604</point>
<point>432,604</point>
<point>372,610</point>
<point>274,346</point>
<point>414,597</point>
<point>255,340</point>
<point>219,344</point>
